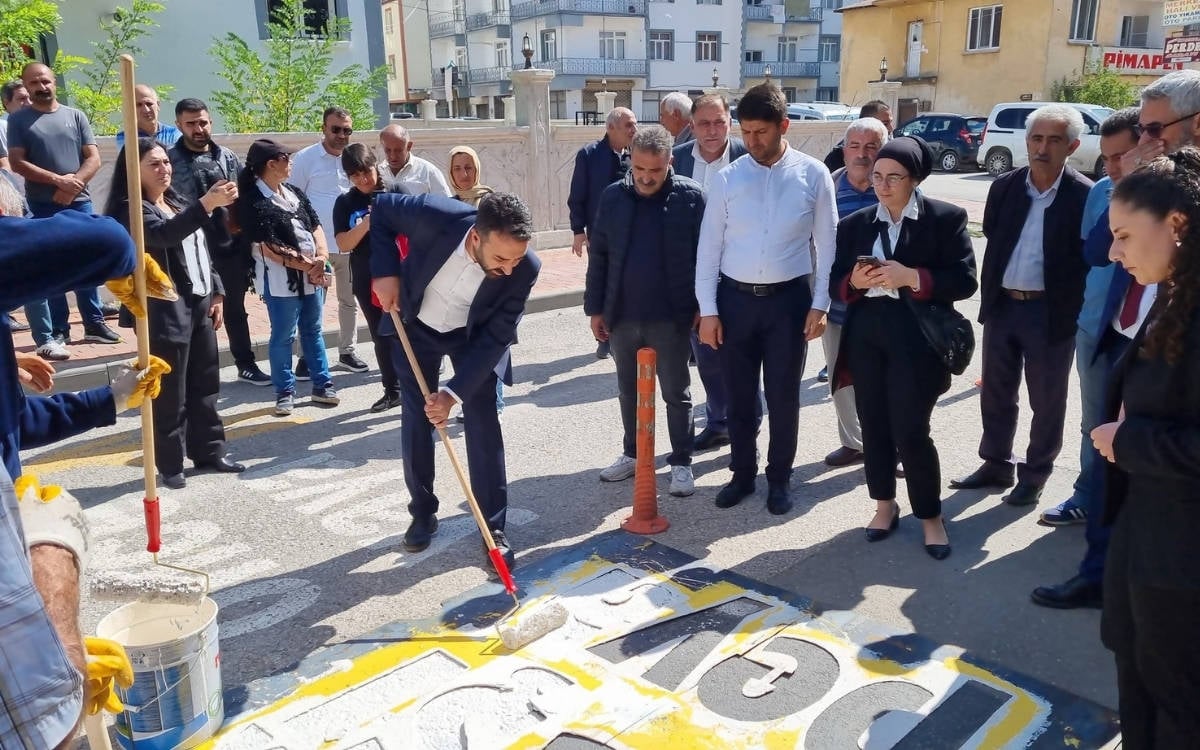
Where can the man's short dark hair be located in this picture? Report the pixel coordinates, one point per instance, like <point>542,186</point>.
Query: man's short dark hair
<point>1122,121</point>
<point>334,112</point>
<point>190,104</point>
<point>9,90</point>
<point>763,103</point>
<point>873,107</point>
<point>504,212</point>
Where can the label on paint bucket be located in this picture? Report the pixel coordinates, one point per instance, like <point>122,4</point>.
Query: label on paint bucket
<point>175,701</point>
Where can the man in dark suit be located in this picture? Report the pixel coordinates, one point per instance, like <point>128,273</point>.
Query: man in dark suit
<point>459,280</point>
<point>711,151</point>
<point>1032,290</point>
<point>598,165</point>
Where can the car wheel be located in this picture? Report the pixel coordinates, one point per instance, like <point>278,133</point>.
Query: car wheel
<point>998,162</point>
<point>1099,171</point>
<point>948,161</point>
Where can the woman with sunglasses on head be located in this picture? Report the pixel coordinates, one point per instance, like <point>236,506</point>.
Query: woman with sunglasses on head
<point>183,332</point>
<point>1152,441</point>
<point>909,246</point>
<point>290,259</point>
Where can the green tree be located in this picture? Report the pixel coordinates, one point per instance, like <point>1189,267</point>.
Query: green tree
<point>1096,85</point>
<point>22,24</point>
<point>287,88</point>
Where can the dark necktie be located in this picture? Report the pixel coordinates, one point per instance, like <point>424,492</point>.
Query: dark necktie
<point>1133,304</point>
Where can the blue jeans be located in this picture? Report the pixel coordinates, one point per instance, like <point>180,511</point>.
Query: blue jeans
<point>51,316</point>
<point>286,315</point>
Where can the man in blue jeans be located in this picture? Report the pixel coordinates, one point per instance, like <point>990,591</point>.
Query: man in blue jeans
<point>53,148</point>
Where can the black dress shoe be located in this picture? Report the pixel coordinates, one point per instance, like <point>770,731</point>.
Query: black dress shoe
<point>734,492</point>
<point>175,481</point>
<point>938,551</point>
<point>1024,494</point>
<point>778,499</point>
<point>388,401</point>
<point>988,475</point>
<point>823,375</point>
<point>878,535</point>
<point>602,350</point>
<point>420,533</point>
<point>709,439</point>
<point>505,551</point>
<point>222,464</point>
<point>1074,594</point>
<point>843,456</point>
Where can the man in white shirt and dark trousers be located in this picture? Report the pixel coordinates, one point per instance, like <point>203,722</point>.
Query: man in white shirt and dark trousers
<point>404,173</point>
<point>752,283</point>
<point>317,170</point>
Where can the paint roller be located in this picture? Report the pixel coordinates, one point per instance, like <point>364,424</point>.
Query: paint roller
<point>515,628</point>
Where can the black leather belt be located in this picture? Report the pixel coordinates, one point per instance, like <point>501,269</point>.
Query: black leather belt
<point>760,290</point>
<point>1021,296</point>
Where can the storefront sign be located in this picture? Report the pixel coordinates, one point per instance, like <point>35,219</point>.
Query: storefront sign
<point>1182,49</point>
<point>1181,12</point>
<point>1137,61</point>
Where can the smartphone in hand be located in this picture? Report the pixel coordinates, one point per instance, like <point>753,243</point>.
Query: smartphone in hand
<point>868,260</point>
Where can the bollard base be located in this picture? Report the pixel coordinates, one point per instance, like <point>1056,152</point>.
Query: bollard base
<point>653,525</point>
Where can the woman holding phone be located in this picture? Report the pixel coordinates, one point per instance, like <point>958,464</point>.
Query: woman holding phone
<point>907,246</point>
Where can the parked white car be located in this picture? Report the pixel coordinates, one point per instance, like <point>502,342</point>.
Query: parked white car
<point>1003,146</point>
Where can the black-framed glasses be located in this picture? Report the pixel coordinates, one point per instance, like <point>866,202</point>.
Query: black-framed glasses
<point>339,130</point>
<point>1155,129</point>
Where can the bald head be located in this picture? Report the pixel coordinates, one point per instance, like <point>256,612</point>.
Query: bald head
<point>397,146</point>
<point>39,82</point>
<point>620,126</point>
<point>145,100</point>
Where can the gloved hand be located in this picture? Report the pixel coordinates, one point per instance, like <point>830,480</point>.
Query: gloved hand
<point>107,663</point>
<point>158,286</point>
<point>50,515</point>
<point>130,387</point>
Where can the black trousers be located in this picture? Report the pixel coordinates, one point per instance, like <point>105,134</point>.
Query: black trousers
<point>1015,337</point>
<point>671,343</point>
<point>897,382</point>
<point>185,412</point>
<point>234,272</point>
<point>763,335</point>
<point>382,344</point>
<point>1152,633</point>
<point>485,443</point>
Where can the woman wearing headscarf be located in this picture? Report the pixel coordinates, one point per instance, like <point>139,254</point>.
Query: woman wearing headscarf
<point>909,246</point>
<point>182,332</point>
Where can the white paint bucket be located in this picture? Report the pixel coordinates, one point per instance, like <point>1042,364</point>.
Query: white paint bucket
<point>175,701</point>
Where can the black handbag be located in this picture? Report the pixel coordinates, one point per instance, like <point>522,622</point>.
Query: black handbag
<point>946,330</point>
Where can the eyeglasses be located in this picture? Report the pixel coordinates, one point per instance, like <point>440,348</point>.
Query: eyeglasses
<point>339,130</point>
<point>1155,129</point>
<point>892,180</point>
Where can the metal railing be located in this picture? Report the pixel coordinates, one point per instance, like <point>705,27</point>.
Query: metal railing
<point>781,69</point>
<point>588,7</point>
<point>445,28</point>
<point>763,13</point>
<point>488,75</point>
<point>484,20</point>
<point>594,66</point>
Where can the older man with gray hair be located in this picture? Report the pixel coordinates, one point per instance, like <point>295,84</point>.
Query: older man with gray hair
<point>404,173</point>
<point>1170,116</point>
<point>640,291</point>
<point>675,114</point>
<point>1031,292</point>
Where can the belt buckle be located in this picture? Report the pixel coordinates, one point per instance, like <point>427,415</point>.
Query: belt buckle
<point>761,290</point>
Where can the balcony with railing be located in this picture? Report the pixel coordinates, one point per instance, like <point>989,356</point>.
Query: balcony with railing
<point>595,66</point>
<point>445,28</point>
<point>533,8</point>
<point>488,75</point>
<point>477,21</point>
<point>781,69</point>
<point>764,14</point>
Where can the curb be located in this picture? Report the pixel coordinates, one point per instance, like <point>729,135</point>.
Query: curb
<point>97,374</point>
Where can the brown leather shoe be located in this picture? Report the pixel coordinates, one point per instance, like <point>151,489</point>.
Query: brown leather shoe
<point>843,456</point>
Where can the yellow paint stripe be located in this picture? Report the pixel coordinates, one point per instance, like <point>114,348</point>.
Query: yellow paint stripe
<point>1021,711</point>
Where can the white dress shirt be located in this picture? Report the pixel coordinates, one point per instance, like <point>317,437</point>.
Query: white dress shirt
<point>319,174</point>
<point>759,222</point>
<point>1025,267</point>
<point>199,263</point>
<point>893,229</point>
<point>704,171</point>
<point>415,178</point>
<point>448,297</point>
<point>1147,302</point>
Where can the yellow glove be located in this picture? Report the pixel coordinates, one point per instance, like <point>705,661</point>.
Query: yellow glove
<point>158,286</point>
<point>131,387</point>
<point>107,663</point>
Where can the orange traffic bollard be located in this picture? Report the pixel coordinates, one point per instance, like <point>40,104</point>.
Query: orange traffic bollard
<point>645,518</point>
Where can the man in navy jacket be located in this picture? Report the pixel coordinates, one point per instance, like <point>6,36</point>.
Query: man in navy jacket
<point>459,278</point>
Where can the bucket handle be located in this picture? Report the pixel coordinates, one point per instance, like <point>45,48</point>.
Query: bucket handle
<point>131,709</point>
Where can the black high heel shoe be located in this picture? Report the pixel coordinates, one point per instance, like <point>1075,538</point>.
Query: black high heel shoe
<point>878,535</point>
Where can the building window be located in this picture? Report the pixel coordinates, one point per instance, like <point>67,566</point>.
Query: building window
<point>1083,20</point>
<point>318,14</point>
<point>787,49</point>
<point>662,45</point>
<point>789,94</point>
<point>831,49</point>
<point>708,46</point>
<point>459,9</point>
<point>460,59</point>
<point>387,22</point>
<point>500,6</point>
<point>612,45</point>
<point>708,2</point>
<point>752,55</point>
<point>392,67</point>
<point>503,59</point>
<point>1134,30</point>
<point>833,4</point>
<point>983,28</point>
<point>549,45</point>
<point>827,94</point>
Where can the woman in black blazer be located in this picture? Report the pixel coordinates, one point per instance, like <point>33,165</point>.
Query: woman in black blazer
<point>917,247</point>
<point>183,333</point>
<point>1152,575</point>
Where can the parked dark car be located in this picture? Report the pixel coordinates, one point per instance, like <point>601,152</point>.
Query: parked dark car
<point>954,139</point>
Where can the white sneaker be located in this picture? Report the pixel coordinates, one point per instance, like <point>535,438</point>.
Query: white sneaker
<point>53,350</point>
<point>620,470</point>
<point>682,484</point>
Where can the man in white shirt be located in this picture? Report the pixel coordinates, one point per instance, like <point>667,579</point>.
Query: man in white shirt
<point>757,307</point>
<point>317,170</point>
<point>404,173</point>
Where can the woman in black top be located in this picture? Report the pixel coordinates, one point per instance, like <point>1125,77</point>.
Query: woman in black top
<point>352,230</point>
<point>1152,439</point>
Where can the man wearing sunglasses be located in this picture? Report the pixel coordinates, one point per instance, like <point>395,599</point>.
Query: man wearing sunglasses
<point>317,170</point>
<point>1170,116</point>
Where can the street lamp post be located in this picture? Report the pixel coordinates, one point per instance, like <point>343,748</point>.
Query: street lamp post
<point>527,51</point>
<point>716,76</point>
<point>767,74</point>
<point>883,69</point>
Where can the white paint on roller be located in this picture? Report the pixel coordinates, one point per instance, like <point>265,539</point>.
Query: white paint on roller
<point>532,622</point>
<point>294,594</point>
<point>152,586</point>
